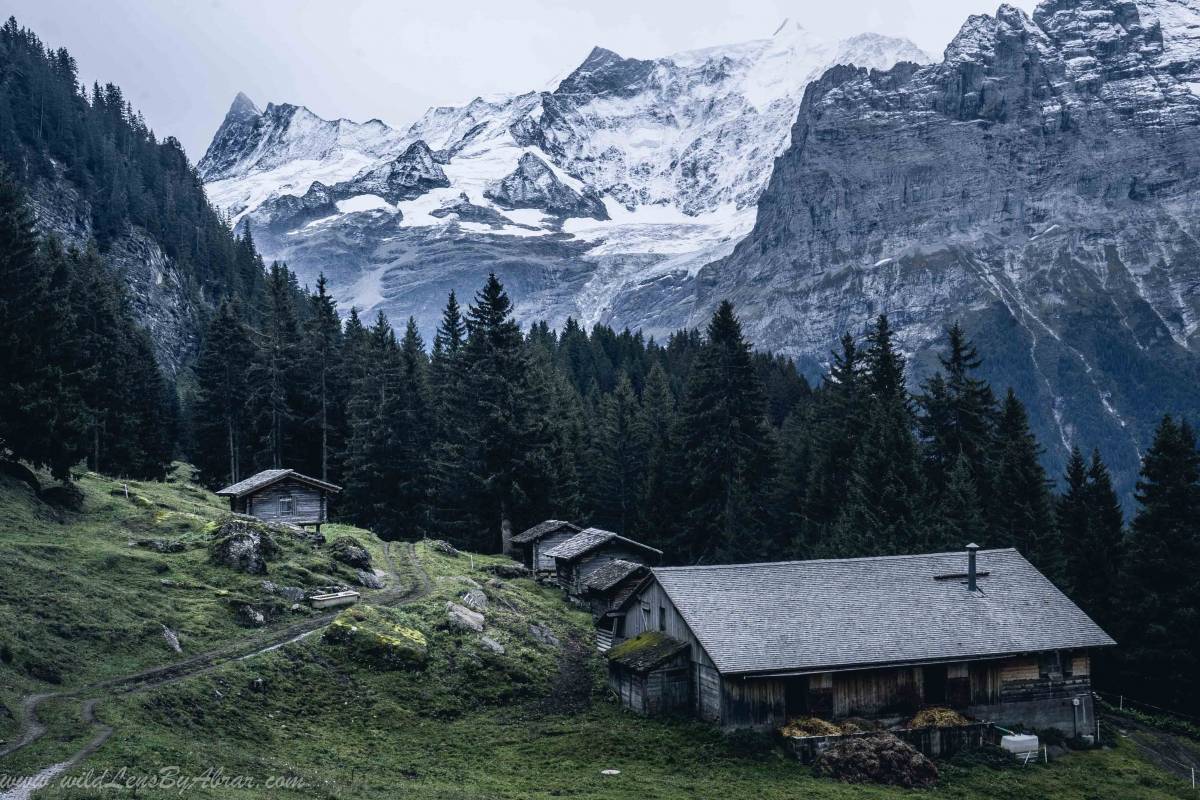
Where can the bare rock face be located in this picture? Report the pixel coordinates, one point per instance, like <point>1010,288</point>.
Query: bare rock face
<point>244,544</point>
<point>533,184</point>
<point>1039,186</point>
<point>411,174</point>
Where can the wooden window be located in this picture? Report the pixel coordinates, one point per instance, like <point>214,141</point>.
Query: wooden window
<point>286,507</point>
<point>662,618</point>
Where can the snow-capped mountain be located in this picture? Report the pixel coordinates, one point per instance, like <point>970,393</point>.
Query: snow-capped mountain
<point>627,170</point>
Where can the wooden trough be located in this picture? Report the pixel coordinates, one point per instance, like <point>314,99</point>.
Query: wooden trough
<point>334,600</point>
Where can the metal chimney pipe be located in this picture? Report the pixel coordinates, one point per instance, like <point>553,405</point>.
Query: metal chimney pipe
<point>972,584</point>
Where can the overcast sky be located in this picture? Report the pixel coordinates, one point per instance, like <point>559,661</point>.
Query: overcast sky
<point>182,61</point>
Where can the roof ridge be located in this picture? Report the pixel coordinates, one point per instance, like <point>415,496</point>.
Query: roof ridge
<point>691,567</point>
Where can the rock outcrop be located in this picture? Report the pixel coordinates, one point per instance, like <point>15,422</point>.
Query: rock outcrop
<point>533,184</point>
<point>350,552</point>
<point>244,544</point>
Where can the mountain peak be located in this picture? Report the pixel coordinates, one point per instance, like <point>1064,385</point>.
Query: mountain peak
<point>242,108</point>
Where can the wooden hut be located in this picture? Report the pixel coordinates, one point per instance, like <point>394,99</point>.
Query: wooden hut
<point>650,673</point>
<point>535,542</point>
<point>605,591</point>
<point>876,637</point>
<point>282,495</point>
<point>589,550</point>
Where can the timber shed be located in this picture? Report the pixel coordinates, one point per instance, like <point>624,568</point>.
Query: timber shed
<point>535,542</point>
<point>650,673</point>
<point>282,495</point>
<point>605,591</point>
<point>589,550</point>
<point>876,637</point>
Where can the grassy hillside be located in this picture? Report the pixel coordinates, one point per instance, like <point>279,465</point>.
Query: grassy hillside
<point>81,601</point>
<point>521,713</point>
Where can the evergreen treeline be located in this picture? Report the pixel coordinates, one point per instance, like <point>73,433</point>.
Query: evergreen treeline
<point>77,375</point>
<point>51,129</point>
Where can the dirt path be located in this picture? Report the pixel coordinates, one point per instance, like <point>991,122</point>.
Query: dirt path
<point>1175,754</point>
<point>410,582</point>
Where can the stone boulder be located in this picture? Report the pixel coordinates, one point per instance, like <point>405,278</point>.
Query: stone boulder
<point>542,634</point>
<point>371,579</point>
<point>510,569</point>
<point>464,618</point>
<point>492,644</point>
<point>244,544</point>
<point>350,552</point>
<point>475,599</point>
<point>292,594</point>
<point>443,547</point>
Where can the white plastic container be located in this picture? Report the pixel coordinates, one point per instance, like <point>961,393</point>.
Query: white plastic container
<point>1020,743</point>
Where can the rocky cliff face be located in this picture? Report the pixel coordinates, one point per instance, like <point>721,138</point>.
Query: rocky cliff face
<point>1040,184</point>
<point>164,301</point>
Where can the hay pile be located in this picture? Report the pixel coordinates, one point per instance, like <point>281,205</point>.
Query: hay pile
<point>879,758</point>
<point>937,717</point>
<point>809,726</point>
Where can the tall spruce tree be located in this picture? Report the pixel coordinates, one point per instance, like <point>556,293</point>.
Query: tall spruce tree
<point>884,508</point>
<point>617,458</point>
<point>1092,529</point>
<point>221,428</point>
<point>726,448</point>
<point>659,504</point>
<point>1160,637</point>
<point>274,377</point>
<point>510,447</point>
<point>1022,512</point>
<point>958,417</point>
<point>323,391</point>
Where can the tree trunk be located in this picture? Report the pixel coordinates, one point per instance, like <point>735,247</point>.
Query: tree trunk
<point>233,476</point>
<point>505,529</point>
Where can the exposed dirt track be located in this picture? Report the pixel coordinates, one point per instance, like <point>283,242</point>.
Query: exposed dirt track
<point>410,582</point>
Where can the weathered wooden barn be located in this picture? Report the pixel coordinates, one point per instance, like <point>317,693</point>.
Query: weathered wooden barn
<point>282,495</point>
<point>589,550</point>
<point>875,637</point>
<point>605,592</point>
<point>535,542</point>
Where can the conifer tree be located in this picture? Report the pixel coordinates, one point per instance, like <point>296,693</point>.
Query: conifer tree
<point>959,518</point>
<point>219,418</point>
<point>958,417</point>
<point>838,420</point>
<point>726,448</point>
<point>659,506</point>
<point>618,459</point>
<point>323,391</point>
<point>1092,529</point>
<point>1161,595</point>
<point>273,375</point>
<point>1022,512</point>
<point>509,454</point>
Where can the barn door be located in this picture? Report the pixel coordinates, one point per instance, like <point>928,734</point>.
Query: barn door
<point>795,691</point>
<point>934,679</point>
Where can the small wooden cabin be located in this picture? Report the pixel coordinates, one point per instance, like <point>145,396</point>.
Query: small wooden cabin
<point>589,550</point>
<point>605,591</point>
<point>535,542</point>
<point>875,637</point>
<point>282,495</point>
<point>650,673</point>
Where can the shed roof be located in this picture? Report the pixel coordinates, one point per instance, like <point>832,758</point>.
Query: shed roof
<point>611,574</point>
<point>588,540</point>
<point>646,651</point>
<point>543,529</point>
<point>836,613</point>
<point>269,476</point>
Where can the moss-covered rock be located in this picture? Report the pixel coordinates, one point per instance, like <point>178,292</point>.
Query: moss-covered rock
<point>244,544</point>
<point>372,637</point>
<point>350,551</point>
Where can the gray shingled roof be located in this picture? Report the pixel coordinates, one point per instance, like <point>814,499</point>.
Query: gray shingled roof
<point>809,615</point>
<point>269,476</point>
<point>612,573</point>
<point>542,529</point>
<point>588,540</point>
